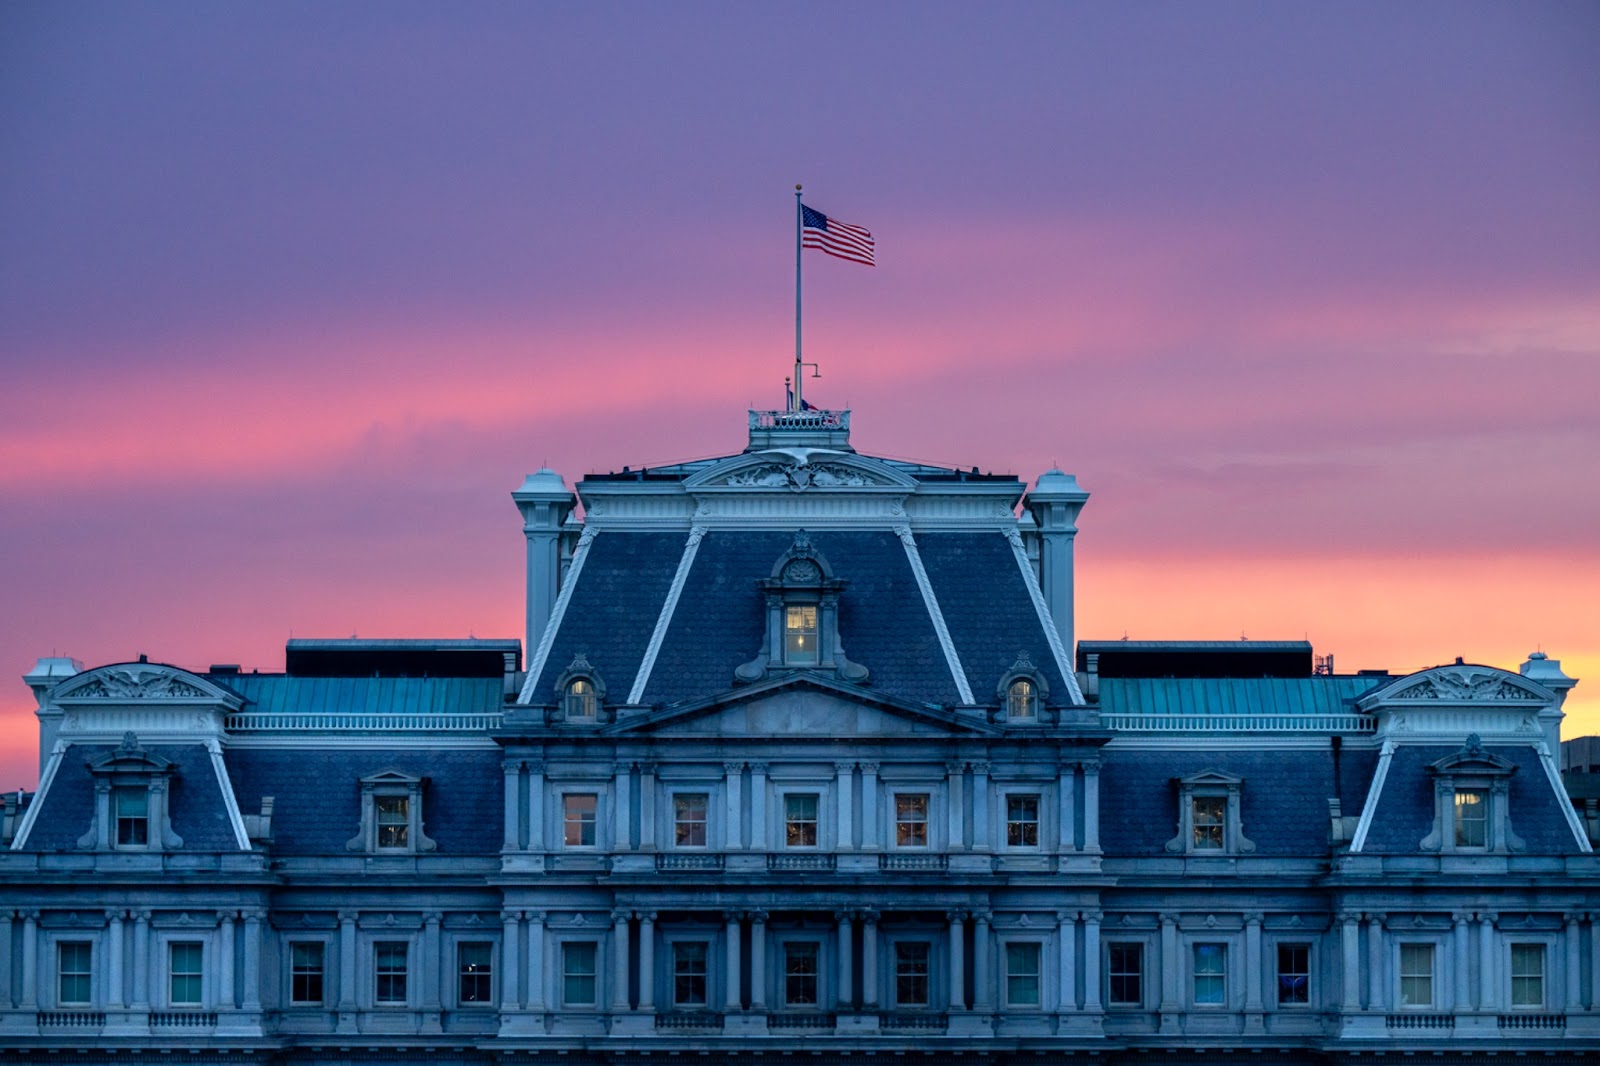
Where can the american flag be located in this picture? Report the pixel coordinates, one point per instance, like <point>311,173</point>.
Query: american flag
<point>842,239</point>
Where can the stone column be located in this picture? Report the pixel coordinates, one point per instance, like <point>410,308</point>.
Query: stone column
<point>758,808</point>
<point>347,961</point>
<point>647,806</point>
<point>141,961</point>
<point>1091,960</point>
<point>1377,994</point>
<point>116,979</point>
<point>432,960</point>
<point>1066,831</point>
<point>621,812</point>
<point>983,994</point>
<point>510,962</point>
<point>957,977</point>
<point>536,806</point>
<point>513,781</point>
<point>730,936</point>
<point>30,959</point>
<point>869,959</point>
<point>869,806</point>
<point>1091,808</point>
<point>6,917</point>
<point>1594,961</point>
<point>1461,994</point>
<point>955,801</point>
<point>1350,961</point>
<point>253,928</point>
<point>619,962</point>
<point>225,942</point>
<point>845,784</point>
<point>647,960</point>
<point>1571,997</point>
<point>1488,995</point>
<point>758,960</point>
<point>1067,961</point>
<point>982,807</point>
<point>1252,962</point>
<point>733,838</point>
<point>846,995</point>
<point>535,965</point>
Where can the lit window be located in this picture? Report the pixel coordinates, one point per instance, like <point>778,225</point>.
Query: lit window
<point>1472,818</point>
<point>1416,975</point>
<point>1022,975</point>
<point>800,820</point>
<point>1294,974</point>
<point>1022,821</point>
<point>911,974</point>
<point>578,816</point>
<point>1208,815</point>
<point>689,819</point>
<point>1527,975</point>
<point>800,974</point>
<point>580,699</point>
<point>1125,974</point>
<point>689,987</point>
<point>185,974</point>
<point>800,636</point>
<point>475,961</point>
<point>1021,700</point>
<point>389,967</point>
<point>133,817</point>
<point>73,958</point>
<point>1210,974</point>
<point>578,974</point>
<point>911,820</point>
<point>306,962</point>
<point>394,821</point>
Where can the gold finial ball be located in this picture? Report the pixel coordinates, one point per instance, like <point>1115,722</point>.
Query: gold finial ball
<point>797,187</point>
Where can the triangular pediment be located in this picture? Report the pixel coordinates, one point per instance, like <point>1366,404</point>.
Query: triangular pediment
<point>803,706</point>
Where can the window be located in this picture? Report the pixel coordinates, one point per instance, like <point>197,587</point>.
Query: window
<point>689,819</point>
<point>578,815</point>
<point>911,820</point>
<point>306,963</point>
<point>389,966</point>
<point>800,974</point>
<point>1416,975</point>
<point>1527,975</point>
<point>185,974</point>
<point>133,816</point>
<point>1021,701</point>
<point>1210,974</point>
<point>800,636</point>
<point>475,963</point>
<point>1125,974</point>
<point>1020,693</point>
<point>1022,821</point>
<point>73,970</point>
<point>1207,815</point>
<point>689,987</point>
<point>1294,975</point>
<point>1472,818</point>
<point>1209,819</point>
<point>911,974</point>
<point>394,821</point>
<point>581,704</point>
<point>800,820</point>
<point>1022,975</point>
<point>802,617</point>
<point>578,973</point>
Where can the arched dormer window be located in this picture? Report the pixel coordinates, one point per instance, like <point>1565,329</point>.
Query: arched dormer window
<point>132,791</point>
<point>581,692</point>
<point>802,631</point>
<point>1022,702</point>
<point>579,700</point>
<point>1021,693</point>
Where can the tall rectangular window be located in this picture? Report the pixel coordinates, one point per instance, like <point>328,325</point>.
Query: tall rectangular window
<point>578,810</point>
<point>1210,974</point>
<point>689,973</point>
<point>133,816</point>
<point>475,965</point>
<point>73,973</point>
<point>800,970</point>
<point>1022,821</point>
<point>800,819</point>
<point>800,636</point>
<point>1125,975</point>
<point>911,820</point>
<point>1022,975</point>
<point>689,819</point>
<point>185,974</point>
<point>911,973</point>
<point>394,820</point>
<point>1472,818</point>
<point>1527,975</point>
<point>1416,975</point>
<point>306,967</point>
<point>579,973</point>
<point>1207,814</point>
<point>389,968</point>
<point>1294,974</point>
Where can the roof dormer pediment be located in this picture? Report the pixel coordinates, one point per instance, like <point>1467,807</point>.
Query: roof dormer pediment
<point>1458,699</point>
<point>800,469</point>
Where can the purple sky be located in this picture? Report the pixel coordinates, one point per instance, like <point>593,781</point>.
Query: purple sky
<point>292,295</point>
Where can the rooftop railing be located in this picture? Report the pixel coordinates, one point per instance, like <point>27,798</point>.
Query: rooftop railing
<point>812,419</point>
<point>361,722</point>
<point>1239,723</point>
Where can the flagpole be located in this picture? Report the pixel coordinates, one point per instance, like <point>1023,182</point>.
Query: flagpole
<point>799,219</point>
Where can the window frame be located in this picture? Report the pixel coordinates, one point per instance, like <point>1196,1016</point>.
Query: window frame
<point>1217,951</point>
<point>1007,975</point>
<point>391,813</point>
<point>86,975</point>
<point>293,972</point>
<point>381,974</point>
<point>1279,973</point>
<point>566,951</point>
<point>195,955</point>
<point>896,796</point>
<point>1007,797</point>
<point>798,949</point>
<point>818,821</point>
<point>1544,947</point>
<point>798,655</point>
<point>1472,770</point>
<point>1210,785</point>
<point>1139,951</point>
<point>487,977</point>
<point>677,973</point>
<point>675,797</point>
<point>388,785</point>
<point>1401,976</point>
<point>139,821</point>
<point>568,795</point>
<point>928,976</point>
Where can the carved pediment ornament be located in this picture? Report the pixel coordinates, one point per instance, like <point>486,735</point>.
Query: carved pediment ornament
<point>1465,683</point>
<point>799,476</point>
<point>137,682</point>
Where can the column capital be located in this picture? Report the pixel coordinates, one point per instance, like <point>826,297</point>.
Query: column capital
<point>535,766</point>
<point>432,917</point>
<point>1461,917</point>
<point>254,914</point>
<point>869,916</point>
<point>842,768</point>
<point>733,767</point>
<point>758,767</point>
<point>1093,916</point>
<point>732,917</point>
<point>758,917</point>
<point>982,917</point>
<point>1090,769</point>
<point>511,917</point>
<point>143,914</point>
<point>980,768</point>
<point>954,766</point>
<point>349,916</point>
<point>1065,917</point>
<point>1253,917</point>
<point>844,917</point>
<point>647,916</point>
<point>511,767</point>
<point>534,916</point>
<point>620,917</point>
<point>647,766</point>
<point>1168,918</point>
<point>1374,919</point>
<point>955,916</point>
<point>1490,918</point>
<point>868,767</point>
<point>1350,917</point>
<point>115,914</point>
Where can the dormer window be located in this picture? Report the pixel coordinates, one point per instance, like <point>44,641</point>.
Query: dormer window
<point>132,805</point>
<point>1020,693</point>
<point>391,815</point>
<point>1209,818</point>
<point>582,693</point>
<point>800,636</point>
<point>1472,817</point>
<point>802,618</point>
<point>1472,803</point>
<point>394,821</point>
<point>1021,701</point>
<point>132,788</point>
<point>580,699</point>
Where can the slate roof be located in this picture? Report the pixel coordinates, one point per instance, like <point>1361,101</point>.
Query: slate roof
<point>317,806</point>
<point>194,800</point>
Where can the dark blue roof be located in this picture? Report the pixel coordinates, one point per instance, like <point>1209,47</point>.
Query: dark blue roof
<point>194,800</point>
<point>988,609</point>
<point>317,805</point>
<point>1283,802</point>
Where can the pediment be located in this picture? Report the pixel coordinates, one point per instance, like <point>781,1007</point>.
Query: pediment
<point>141,683</point>
<point>1459,684</point>
<point>796,469</point>
<point>803,707</point>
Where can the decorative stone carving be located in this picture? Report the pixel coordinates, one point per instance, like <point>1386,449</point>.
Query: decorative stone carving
<point>138,682</point>
<point>1465,683</point>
